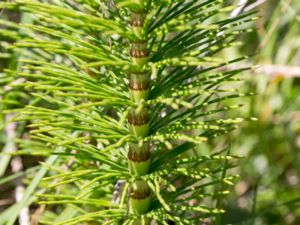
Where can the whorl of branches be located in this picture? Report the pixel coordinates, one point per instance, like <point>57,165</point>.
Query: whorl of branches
<point>76,62</point>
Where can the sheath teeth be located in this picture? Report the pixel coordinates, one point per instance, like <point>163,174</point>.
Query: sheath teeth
<point>139,50</point>
<point>137,119</point>
<point>139,86</point>
<point>139,190</point>
<point>138,53</point>
<point>138,156</point>
<point>137,19</point>
<point>139,81</point>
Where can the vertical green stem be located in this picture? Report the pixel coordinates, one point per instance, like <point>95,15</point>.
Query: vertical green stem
<point>139,155</point>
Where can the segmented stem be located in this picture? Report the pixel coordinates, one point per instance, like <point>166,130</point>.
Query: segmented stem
<point>139,155</point>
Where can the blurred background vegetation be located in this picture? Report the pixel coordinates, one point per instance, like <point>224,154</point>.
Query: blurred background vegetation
<point>268,191</point>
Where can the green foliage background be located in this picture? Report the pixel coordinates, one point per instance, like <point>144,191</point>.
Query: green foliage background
<point>268,192</point>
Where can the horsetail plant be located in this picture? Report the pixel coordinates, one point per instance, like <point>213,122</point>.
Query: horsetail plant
<point>128,93</point>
